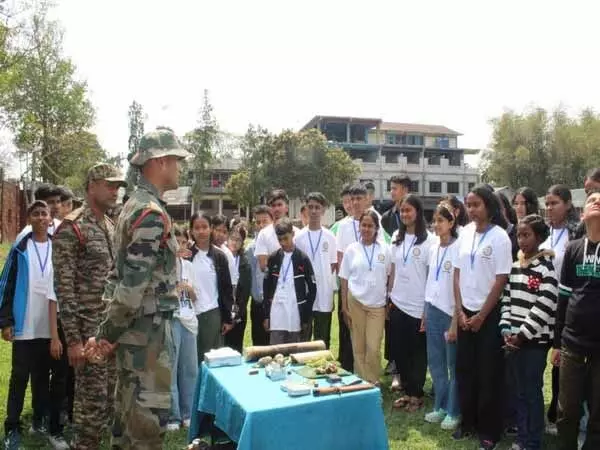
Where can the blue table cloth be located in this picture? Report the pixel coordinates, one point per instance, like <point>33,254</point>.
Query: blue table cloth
<point>258,415</point>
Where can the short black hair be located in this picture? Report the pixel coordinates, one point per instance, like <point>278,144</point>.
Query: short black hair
<point>402,180</point>
<point>303,208</point>
<point>262,209</point>
<point>594,174</point>
<point>358,189</point>
<point>36,204</point>
<point>45,191</point>
<point>345,189</point>
<point>316,197</point>
<point>65,193</point>
<point>538,226</point>
<point>283,227</point>
<point>370,186</point>
<point>278,194</point>
<point>219,219</point>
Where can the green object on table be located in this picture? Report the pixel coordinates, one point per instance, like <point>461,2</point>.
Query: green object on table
<point>311,373</point>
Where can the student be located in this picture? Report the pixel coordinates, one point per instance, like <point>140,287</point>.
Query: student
<point>440,320</point>
<point>525,202</point>
<point>50,194</point>
<point>318,243</point>
<point>577,334</point>
<point>235,338</point>
<point>262,218</point>
<point>185,332</point>
<point>399,188</point>
<point>590,183</point>
<point>364,274</point>
<point>220,233</point>
<point>212,284</point>
<point>66,202</point>
<point>289,289</point>
<point>28,319</point>
<point>563,222</point>
<point>410,258</point>
<point>481,269</point>
<point>458,211</point>
<point>370,187</point>
<point>527,326</point>
<point>347,205</point>
<point>304,216</point>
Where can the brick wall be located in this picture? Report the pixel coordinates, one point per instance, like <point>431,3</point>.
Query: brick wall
<point>12,211</point>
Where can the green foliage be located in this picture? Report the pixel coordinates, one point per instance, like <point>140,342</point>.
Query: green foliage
<point>136,131</point>
<point>538,148</point>
<point>42,100</point>
<point>299,161</point>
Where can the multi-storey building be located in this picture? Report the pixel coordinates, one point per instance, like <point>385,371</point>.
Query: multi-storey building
<point>428,154</point>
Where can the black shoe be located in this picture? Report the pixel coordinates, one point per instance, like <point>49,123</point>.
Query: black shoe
<point>461,434</point>
<point>486,444</point>
<point>12,440</point>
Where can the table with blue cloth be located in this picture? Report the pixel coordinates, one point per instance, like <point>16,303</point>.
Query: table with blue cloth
<point>255,413</point>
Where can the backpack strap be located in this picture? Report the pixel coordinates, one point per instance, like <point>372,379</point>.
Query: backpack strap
<point>70,220</point>
<point>154,208</point>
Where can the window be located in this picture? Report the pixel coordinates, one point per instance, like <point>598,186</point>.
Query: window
<point>414,186</point>
<point>391,139</point>
<point>471,186</point>
<point>413,139</point>
<point>442,142</point>
<point>453,187</point>
<point>400,139</point>
<point>435,187</point>
<point>412,158</point>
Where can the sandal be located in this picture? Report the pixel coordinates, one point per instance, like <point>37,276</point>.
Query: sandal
<point>401,402</point>
<point>414,404</point>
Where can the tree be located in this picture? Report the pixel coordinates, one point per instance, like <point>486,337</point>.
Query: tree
<point>136,131</point>
<point>43,101</point>
<point>538,149</point>
<point>202,142</point>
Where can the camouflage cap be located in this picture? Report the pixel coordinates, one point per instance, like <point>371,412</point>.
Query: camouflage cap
<point>158,144</point>
<point>106,172</point>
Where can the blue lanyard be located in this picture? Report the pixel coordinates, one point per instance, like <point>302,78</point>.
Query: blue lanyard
<point>355,230</point>
<point>315,249</point>
<point>285,272</point>
<point>369,260</point>
<point>37,252</point>
<point>473,249</point>
<point>407,254</point>
<point>439,263</point>
<point>552,243</point>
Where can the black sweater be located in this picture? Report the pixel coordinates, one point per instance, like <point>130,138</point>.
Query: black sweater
<point>578,311</point>
<point>304,282</point>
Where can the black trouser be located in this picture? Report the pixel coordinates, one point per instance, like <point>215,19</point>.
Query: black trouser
<point>321,327</point>
<point>257,317</point>
<point>553,408</point>
<point>29,358</point>
<point>579,382</point>
<point>409,351</point>
<point>346,357</point>
<point>480,377</point>
<point>59,373</point>
<point>235,338</point>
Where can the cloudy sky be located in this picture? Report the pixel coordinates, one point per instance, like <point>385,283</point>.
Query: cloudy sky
<point>278,63</point>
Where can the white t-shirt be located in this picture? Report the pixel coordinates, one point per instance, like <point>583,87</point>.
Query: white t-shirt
<point>284,309</point>
<point>234,272</point>
<point>480,257</point>
<point>410,264</point>
<point>185,313</point>
<point>439,290</point>
<point>51,229</point>
<point>367,284</point>
<point>557,241</point>
<point>266,241</point>
<point>320,247</point>
<point>41,291</point>
<point>349,232</point>
<point>204,282</point>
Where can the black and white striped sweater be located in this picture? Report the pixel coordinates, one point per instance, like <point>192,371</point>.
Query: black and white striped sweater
<point>529,302</point>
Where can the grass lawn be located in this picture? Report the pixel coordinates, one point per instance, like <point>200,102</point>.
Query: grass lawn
<point>405,431</point>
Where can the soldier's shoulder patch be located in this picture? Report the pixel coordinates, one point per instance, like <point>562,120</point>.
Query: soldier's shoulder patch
<point>74,215</point>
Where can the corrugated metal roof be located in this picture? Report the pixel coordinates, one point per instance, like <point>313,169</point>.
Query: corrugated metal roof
<point>418,128</point>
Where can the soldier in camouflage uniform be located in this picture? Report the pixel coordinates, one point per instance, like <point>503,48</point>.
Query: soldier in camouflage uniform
<point>141,291</point>
<point>83,255</point>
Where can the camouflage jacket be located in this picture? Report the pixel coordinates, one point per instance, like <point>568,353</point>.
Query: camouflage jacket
<point>82,256</point>
<point>143,279</point>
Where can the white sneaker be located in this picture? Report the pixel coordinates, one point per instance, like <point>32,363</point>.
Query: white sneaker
<point>58,442</point>
<point>173,426</point>
<point>186,423</point>
<point>395,382</point>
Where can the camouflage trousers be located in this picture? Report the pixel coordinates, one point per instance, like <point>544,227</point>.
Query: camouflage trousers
<point>143,395</point>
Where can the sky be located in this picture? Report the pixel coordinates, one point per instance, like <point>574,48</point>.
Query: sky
<point>278,63</point>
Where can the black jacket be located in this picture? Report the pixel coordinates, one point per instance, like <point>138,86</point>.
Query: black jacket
<point>304,281</point>
<point>390,220</point>
<point>242,292</point>
<point>224,287</point>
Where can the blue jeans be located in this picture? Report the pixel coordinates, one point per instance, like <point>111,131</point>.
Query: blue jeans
<point>441,357</point>
<point>527,366</point>
<point>185,371</point>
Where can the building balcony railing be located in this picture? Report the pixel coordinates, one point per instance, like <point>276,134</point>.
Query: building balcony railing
<point>402,164</point>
